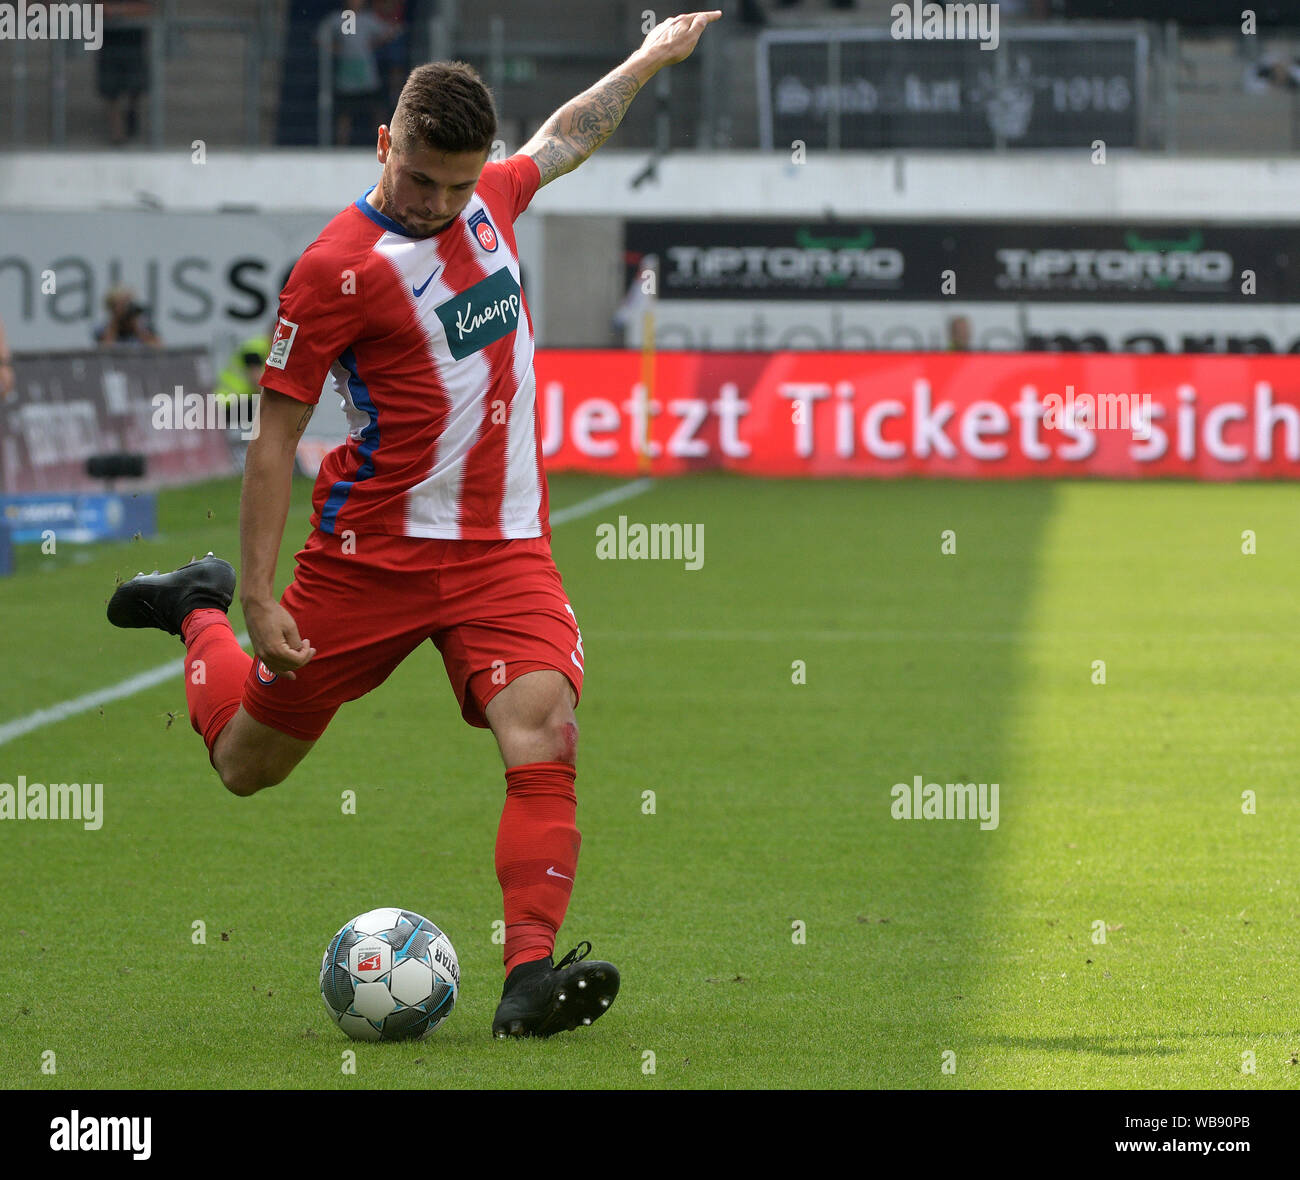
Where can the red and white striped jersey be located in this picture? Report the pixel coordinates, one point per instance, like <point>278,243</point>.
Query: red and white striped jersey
<point>430,343</point>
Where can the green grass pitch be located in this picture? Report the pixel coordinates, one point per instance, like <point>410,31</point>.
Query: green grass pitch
<point>926,941</point>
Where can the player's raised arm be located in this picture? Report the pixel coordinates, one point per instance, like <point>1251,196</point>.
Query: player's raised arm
<point>579,127</point>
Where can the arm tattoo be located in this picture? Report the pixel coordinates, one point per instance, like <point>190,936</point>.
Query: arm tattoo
<point>579,127</point>
<point>306,417</point>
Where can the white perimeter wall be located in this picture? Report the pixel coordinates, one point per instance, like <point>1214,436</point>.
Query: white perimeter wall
<point>1062,185</point>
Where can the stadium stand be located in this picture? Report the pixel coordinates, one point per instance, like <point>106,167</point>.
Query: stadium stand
<point>247,72</point>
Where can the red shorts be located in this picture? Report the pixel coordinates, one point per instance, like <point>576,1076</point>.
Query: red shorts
<point>494,609</point>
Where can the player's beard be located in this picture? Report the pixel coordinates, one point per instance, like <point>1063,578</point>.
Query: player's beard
<point>420,229</point>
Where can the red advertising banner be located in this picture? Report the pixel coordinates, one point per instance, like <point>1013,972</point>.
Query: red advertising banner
<point>883,415</point>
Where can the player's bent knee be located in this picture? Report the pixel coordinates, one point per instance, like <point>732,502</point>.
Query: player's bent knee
<point>557,725</point>
<point>553,738</point>
<point>244,781</point>
<point>533,720</point>
<point>247,776</point>
<point>250,756</point>
<point>565,733</point>
<point>557,735</point>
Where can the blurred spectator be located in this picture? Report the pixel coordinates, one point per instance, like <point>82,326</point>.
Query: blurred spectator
<point>959,334</point>
<point>122,66</point>
<point>237,388</point>
<point>393,57</point>
<point>239,382</point>
<point>357,33</point>
<point>6,366</point>
<point>1273,69</point>
<point>127,323</point>
<point>751,13</point>
<point>1226,14</point>
<point>296,119</point>
<point>1018,9</point>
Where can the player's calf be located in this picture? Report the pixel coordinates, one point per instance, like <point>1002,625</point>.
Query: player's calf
<point>250,756</point>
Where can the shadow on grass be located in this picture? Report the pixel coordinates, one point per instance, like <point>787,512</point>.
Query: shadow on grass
<point>835,644</point>
<point>1117,1045</point>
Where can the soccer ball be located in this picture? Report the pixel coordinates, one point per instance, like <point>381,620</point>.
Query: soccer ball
<point>389,975</point>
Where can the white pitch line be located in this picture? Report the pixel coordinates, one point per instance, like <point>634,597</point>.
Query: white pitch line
<point>92,700</point>
<point>603,500</point>
<point>154,676</point>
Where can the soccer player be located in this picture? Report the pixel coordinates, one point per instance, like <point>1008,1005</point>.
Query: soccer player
<point>430,522</point>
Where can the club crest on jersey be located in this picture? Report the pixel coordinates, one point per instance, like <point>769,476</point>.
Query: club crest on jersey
<point>482,227</point>
<point>264,674</point>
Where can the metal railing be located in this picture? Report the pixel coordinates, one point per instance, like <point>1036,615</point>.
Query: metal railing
<point>167,35</point>
<point>504,61</point>
<point>836,87</point>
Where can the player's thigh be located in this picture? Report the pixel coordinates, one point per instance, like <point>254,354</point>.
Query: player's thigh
<point>532,719</point>
<point>250,756</point>
<point>362,617</point>
<point>512,648</point>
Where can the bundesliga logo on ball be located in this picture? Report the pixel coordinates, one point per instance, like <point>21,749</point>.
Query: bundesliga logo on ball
<point>389,975</point>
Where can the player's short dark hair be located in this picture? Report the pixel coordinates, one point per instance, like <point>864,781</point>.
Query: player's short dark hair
<point>445,106</point>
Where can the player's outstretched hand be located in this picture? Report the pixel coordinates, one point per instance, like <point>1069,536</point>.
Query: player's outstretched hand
<point>275,638</point>
<point>675,39</point>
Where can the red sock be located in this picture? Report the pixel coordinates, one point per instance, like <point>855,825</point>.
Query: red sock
<point>537,857</point>
<point>215,670</point>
